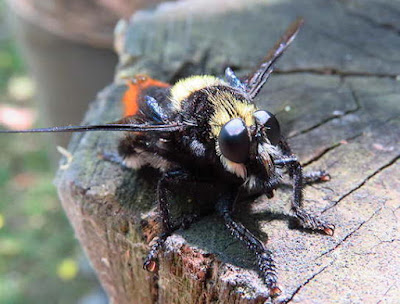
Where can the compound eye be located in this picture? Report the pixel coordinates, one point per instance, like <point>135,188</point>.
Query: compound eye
<point>271,124</point>
<point>234,141</point>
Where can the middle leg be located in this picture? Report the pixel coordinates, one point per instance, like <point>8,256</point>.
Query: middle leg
<point>317,176</point>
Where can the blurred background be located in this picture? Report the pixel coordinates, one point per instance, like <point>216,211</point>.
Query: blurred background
<point>54,57</point>
<point>40,259</point>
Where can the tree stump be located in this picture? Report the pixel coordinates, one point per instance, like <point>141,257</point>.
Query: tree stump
<point>336,93</point>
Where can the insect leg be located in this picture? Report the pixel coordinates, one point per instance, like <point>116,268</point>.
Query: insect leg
<point>167,228</point>
<point>308,177</point>
<point>233,80</point>
<point>264,187</point>
<point>264,259</point>
<point>317,176</point>
<point>155,111</point>
<point>149,263</point>
<point>306,219</point>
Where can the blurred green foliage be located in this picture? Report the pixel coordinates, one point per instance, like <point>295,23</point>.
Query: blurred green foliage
<point>40,260</point>
<point>10,62</point>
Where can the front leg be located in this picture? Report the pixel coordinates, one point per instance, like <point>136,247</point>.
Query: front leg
<point>308,177</point>
<point>306,219</point>
<point>265,263</point>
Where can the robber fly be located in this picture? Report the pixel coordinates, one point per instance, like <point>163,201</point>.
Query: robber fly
<point>204,128</point>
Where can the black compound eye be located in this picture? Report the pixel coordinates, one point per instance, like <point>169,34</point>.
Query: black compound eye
<point>234,141</point>
<point>271,124</point>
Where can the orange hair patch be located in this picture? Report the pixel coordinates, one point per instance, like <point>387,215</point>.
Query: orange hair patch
<point>135,88</point>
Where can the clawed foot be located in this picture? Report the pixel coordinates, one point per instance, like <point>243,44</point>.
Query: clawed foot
<point>316,177</point>
<point>150,265</point>
<point>274,291</point>
<point>266,267</point>
<point>309,221</point>
<point>329,229</point>
<point>150,262</point>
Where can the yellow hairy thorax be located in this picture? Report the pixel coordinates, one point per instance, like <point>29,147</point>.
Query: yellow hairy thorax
<point>227,107</point>
<point>187,86</point>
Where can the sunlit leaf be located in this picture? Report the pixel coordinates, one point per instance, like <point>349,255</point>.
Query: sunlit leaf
<point>10,247</point>
<point>21,88</point>
<point>67,269</point>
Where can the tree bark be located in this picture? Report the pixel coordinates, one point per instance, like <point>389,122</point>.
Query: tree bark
<point>336,94</point>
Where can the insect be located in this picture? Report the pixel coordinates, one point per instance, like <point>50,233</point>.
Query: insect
<point>204,129</point>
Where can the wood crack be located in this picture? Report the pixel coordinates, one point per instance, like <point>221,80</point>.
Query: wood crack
<point>354,46</point>
<point>290,298</point>
<point>337,116</point>
<point>330,148</point>
<point>363,182</point>
<point>386,292</point>
<point>329,71</point>
<point>386,26</point>
<point>351,233</point>
<point>382,242</point>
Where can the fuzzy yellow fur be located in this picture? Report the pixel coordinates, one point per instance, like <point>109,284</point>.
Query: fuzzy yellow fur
<point>185,87</point>
<point>227,107</point>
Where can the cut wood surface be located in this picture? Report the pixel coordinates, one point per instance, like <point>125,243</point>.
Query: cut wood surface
<point>337,95</point>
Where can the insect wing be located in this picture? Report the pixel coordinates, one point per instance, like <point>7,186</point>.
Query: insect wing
<point>256,80</point>
<point>107,127</point>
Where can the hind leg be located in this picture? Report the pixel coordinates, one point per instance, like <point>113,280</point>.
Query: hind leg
<point>168,178</point>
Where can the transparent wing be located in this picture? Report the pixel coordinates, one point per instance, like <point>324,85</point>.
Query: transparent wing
<point>255,81</point>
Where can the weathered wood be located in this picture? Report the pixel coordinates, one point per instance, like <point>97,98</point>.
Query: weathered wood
<point>337,97</point>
